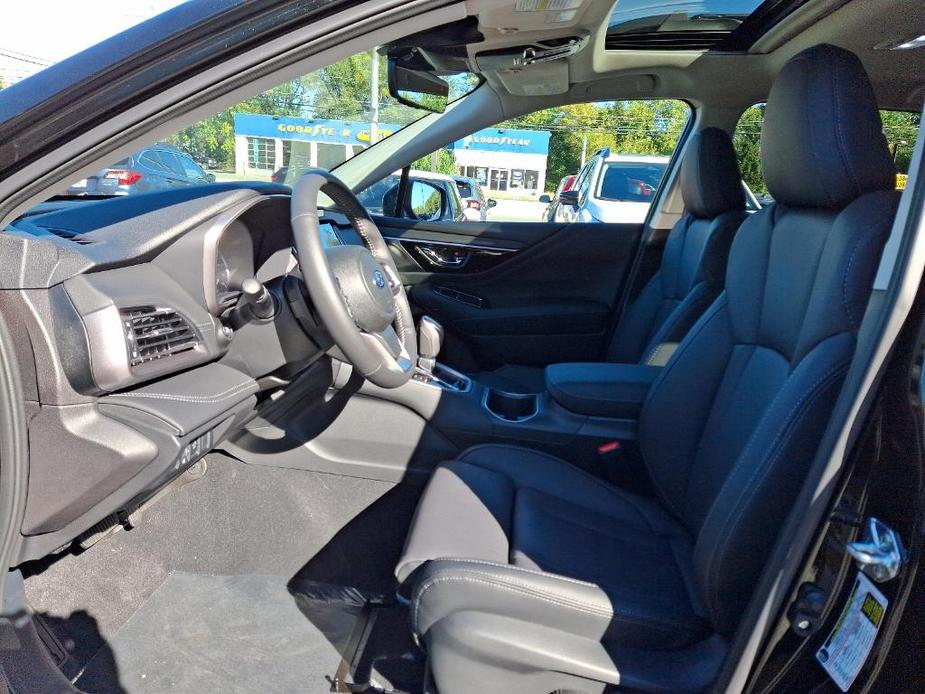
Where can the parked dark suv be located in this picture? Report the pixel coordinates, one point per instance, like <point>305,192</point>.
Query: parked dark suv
<point>154,168</point>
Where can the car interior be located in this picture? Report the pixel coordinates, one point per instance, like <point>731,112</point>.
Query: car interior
<point>278,442</point>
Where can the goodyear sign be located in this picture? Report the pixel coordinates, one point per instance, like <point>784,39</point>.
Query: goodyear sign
<point>506,140</point>
<point>308,130</point>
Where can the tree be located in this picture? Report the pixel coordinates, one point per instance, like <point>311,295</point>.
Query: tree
<point>747,142</point>
<point>901,129</point>
<point>446,163</point>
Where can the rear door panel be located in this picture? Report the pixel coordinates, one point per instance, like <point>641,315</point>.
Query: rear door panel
<point>515,292</point>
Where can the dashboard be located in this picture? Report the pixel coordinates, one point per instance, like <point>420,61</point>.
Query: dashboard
<point>136,359</point>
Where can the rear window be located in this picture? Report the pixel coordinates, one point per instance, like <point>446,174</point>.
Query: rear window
<point>465,190</point>
<point>630,182</point>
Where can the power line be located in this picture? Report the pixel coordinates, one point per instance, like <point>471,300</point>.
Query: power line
<point>24,58</point>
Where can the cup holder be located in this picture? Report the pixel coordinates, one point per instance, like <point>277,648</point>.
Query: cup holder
<point>510,407</point>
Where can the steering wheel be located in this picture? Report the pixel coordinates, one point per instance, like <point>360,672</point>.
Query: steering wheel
<point>356,290</point>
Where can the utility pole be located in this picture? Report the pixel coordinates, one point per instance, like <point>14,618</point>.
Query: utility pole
<point>373,96</point>
<point>584,147</point>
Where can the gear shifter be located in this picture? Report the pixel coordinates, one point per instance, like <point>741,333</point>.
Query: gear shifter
<point>430,339</point>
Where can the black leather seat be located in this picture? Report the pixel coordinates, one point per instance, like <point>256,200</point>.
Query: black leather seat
<point>527,574</point>
<point>692,268</point>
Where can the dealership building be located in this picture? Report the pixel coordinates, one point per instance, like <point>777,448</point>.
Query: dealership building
<point>500,159</point>
<point>503,159</point>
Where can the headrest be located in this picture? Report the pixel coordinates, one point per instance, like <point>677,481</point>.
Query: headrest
<point>710,179</point>
<point>822,142</point>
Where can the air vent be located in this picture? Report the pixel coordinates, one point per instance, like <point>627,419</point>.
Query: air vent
<point>155,333</point>
<point>69,235</point>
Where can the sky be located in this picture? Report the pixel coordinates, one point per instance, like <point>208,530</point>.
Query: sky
<point>36,33</point>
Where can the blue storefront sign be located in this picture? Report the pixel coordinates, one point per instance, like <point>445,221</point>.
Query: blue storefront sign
<point>506,140</point>
<point>309,130</point>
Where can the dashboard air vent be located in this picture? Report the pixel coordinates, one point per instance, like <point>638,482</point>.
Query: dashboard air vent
<point>155,333</point>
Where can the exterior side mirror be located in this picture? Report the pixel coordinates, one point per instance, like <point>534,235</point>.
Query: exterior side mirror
<point>491,202</point>
<point>569,197</point>
<point>545,199</point>
<point>426,201</point>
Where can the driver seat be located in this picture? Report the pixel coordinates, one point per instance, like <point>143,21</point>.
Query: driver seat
<point>527,574</point>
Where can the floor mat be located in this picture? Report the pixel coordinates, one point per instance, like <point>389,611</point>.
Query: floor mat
<point>215,633</point>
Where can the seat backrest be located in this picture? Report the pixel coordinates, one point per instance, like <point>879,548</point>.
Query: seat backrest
<point>694,261</point>
<point>750,390</point>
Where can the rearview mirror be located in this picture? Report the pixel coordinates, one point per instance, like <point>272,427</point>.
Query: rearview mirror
<point>417,88</point>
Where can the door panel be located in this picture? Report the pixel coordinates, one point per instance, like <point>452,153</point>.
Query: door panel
<point>515,292</point>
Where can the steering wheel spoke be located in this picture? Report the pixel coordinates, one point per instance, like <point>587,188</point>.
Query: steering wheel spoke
<point>362,277</point>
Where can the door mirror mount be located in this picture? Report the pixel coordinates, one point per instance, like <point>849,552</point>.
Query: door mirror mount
<point>569,197</point>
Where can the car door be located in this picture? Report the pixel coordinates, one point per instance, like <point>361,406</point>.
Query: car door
<point>516,289</point>
<point>174,175</point>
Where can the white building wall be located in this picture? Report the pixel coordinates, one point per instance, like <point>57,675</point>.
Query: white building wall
<point>505,161</point>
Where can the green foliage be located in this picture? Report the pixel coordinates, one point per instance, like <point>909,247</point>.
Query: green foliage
<point>213,138</point>
<point>629,127</point>
<point>445,163</point>
<point>901,129</point>
<point>747,141</point>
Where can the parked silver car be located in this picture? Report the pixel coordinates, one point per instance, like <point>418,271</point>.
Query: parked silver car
<point>154,168</point>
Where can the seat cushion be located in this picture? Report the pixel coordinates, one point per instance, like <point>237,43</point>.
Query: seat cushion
<point>519,509</point>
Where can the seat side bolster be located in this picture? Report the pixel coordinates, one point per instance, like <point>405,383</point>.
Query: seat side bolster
<point>447,586</point>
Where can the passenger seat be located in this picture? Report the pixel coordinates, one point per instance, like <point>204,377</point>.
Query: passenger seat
<point>692,269</point>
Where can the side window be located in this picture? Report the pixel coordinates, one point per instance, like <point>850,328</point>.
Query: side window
<point>747,142</point>
<point>514,168</point>
<point>190,168</point>
<point>151,160</point>
<point>901,129</point>
<point>171,162</point>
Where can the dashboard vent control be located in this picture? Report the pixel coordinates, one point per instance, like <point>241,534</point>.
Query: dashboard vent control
<point>154,333</point>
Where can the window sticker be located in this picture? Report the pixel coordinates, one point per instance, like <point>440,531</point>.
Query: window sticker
<point>845,651</point>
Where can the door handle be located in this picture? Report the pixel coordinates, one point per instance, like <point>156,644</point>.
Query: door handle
<point>445,257</point>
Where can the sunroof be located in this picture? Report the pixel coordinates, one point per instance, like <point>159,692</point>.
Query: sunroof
<point>692,24</point>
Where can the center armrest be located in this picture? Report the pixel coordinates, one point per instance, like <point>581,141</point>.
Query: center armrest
<point>601,390</point>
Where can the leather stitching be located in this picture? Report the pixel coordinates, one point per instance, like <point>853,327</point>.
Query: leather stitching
<point>845,288</point>
<point>760,472</point>
<point>521,569</point>
<point>529,591</point>
<point>224,395</point>
<point>600,483</point>
<point>578,606</point>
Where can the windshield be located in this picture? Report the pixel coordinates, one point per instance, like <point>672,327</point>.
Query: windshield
<point>318,120</point>
<point>630,181</point>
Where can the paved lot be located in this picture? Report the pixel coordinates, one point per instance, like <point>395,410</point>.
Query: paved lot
<point>516,211</point>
